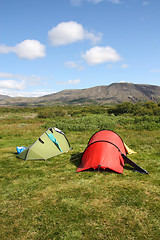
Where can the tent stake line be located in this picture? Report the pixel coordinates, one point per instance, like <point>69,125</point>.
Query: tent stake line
<point>131,163</point>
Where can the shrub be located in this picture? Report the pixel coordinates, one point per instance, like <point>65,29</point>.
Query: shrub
<point>126,107</point>
<point>141,109</point>
<point>145,123</point>
<point>51,113</point>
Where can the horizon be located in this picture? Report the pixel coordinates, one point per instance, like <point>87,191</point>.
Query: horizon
<point>70,89</point>
<point>49,47</point>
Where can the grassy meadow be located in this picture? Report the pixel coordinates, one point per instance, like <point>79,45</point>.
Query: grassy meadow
<point>49,200</point>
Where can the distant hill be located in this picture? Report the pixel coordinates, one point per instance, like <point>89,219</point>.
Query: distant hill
<point>114,93</point>
<point>3,97</point>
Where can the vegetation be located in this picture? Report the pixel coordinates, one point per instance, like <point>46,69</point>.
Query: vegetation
<point>141,109</point>
<point>49,200</point>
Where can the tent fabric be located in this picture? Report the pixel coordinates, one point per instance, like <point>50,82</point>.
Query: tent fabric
<point>104,151</point>
<point>102,155</point>
<point>54,140</point>
<point>110,136</point>
<point>129,150</point>
<point>51,143</point>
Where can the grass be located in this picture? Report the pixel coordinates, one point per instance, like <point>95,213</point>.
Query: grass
<point>49,200</point>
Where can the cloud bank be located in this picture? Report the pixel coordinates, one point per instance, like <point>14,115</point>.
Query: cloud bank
<point>14,88</point>
<point>12,84</point>
<point>15,85</point>
<point>72,64</point>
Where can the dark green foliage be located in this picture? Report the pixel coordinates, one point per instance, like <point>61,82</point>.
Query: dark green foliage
<point>141,109</point>
<point>126,107</point>
<point>51,112</point>
<point>22,109</point>
<point>140,122</point>
<point>60,111</point>
<point>92,122</point>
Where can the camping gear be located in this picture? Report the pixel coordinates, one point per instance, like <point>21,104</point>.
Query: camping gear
<point>51,143</point>
<point>128,150</point>
<point>106,150</point>
<point>20,149</point>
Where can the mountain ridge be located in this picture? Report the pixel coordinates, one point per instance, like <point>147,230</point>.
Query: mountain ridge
<point>113,93</point>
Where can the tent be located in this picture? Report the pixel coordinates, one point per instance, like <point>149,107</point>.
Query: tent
<point>106,150</point>
<point>51,143</point>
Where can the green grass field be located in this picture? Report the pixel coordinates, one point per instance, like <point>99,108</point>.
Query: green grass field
<point>49,200</point>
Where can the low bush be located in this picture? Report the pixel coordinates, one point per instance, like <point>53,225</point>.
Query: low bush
<point>51,113</point>
<point>94,122</point>
<point>141,109</point>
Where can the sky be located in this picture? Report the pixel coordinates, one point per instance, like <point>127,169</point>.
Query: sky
<point>47,46</point>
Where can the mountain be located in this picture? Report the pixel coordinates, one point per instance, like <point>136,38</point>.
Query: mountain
<point>3,97</point>
<point>114,93</point>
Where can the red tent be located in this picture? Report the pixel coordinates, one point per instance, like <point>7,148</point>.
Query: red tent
<point>106,150</point>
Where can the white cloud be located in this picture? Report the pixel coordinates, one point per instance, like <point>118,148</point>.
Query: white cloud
<point>95,1</point>
<point>5,49</point>
<point>115,1</point>
<point>145,3</point>
<point>155,70</point>
<point>69,32</point>
<point>66,33</point>
<point>125,82</point>
<point>110,66</point>
<point>124,66</point>
<point>12,84</point>
<point>15,93</point>
<point>6,75</point>
<point>73,82</point>
<point>71,64</point>
<point>93,37</point>
<point>36,93</point>
<point>79,2</point>
<point>28,49</point>
<point>76,2</point>
<point>98,55</point>
<point>32,80</point>
<point>16,88</point>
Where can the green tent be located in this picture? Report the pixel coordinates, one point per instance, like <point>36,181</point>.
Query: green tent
<point>51,143</point>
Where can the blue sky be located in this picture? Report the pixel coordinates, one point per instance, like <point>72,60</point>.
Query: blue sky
<point>50,45</point>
